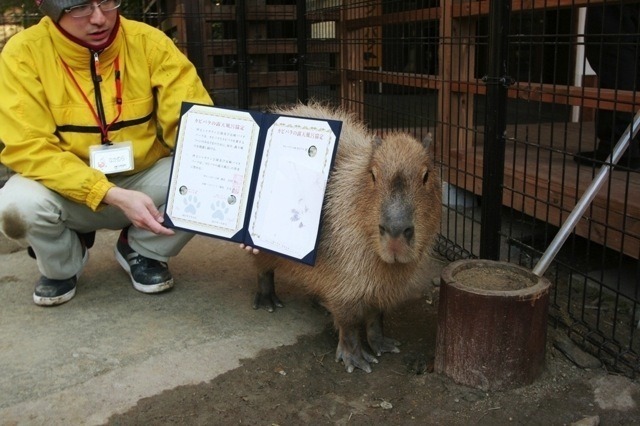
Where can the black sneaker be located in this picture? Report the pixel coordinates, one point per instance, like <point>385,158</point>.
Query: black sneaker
<point>147,275</point>
<point>50,292</point>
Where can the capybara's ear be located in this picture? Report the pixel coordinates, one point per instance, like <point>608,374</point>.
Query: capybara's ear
<point>427,141</point>
<point>377,141</point>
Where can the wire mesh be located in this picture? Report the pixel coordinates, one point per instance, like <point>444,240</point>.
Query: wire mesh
<point>570,78</point>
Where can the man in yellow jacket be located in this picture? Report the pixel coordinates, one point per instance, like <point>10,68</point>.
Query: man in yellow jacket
<point>89,110</point>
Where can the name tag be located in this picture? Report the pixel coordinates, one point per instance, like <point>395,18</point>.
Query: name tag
<point>114,158</point>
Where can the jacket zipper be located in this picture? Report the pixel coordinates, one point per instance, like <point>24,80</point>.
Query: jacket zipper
<point>97,79</point>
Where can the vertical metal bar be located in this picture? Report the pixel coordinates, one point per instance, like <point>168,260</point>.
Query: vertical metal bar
<point>303,84</point>
<point>193,30</point>
<point>495,127</point>
<point>243,59</point>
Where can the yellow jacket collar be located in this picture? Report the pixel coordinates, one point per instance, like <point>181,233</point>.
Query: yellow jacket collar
<point>77,55</point>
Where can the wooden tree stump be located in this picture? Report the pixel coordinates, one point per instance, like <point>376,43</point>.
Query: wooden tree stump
<point>492,324</point>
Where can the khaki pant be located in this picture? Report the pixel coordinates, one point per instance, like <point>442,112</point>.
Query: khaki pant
<point>48,221</point>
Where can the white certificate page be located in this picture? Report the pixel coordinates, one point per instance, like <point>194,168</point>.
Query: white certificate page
<point>211,176</point>
<point>291,184</point>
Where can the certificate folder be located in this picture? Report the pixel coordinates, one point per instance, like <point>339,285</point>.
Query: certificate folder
<point>252,177</point>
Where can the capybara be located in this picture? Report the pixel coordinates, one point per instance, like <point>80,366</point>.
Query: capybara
<point>381,213</point>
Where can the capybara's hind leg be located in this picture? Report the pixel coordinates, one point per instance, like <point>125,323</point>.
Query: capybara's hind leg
<point>375,337</point>
<point>266,297</point>
<point>351,352</point>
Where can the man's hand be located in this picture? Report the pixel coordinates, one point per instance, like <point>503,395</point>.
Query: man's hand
<point>139,209</point>
<point>249,249</point>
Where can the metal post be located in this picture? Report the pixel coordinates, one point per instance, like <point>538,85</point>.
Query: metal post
<point>195,49</point>
<point>303,84</point>
<point>243,58</point>
<point>497,81</point>
<point>587,197</point>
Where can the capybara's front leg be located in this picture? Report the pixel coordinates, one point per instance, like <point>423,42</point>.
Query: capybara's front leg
<point>266,297</point>
<point>351,352</point>
<point>375,337</point>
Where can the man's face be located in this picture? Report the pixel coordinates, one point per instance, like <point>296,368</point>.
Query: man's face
<point>93,29</point>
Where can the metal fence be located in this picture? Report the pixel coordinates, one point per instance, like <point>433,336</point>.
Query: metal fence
<point>511,91</point>
<point>507,92</point>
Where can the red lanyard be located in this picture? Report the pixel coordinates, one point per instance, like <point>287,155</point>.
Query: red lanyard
<point>104,130</point>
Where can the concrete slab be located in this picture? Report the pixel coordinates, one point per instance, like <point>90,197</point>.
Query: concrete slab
<point>110,346</point>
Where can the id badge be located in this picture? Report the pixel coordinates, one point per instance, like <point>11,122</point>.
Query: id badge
<point>114,158</point>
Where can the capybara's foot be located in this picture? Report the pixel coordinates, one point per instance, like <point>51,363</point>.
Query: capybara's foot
<point>362,359</point>
<point>266,297</point>
<point>351,353</point>
<point>381,344</point>
<point>268,302</point>
<point>375,337</point>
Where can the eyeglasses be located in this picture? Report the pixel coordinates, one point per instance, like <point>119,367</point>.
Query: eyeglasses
<point>84,10</point>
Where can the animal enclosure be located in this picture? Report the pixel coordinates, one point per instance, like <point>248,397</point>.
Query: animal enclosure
<point>510,91</point>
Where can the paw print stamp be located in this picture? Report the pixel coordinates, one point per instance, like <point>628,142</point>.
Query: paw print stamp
<point>192,204</point>
<point>299,214</point>
<point>220,210</point>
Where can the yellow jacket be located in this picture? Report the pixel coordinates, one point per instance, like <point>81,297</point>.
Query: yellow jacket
<point>47,125</point>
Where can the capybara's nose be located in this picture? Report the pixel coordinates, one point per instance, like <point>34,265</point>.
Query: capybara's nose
<point>396,220</point>
<point>397,231</point>
<point>408,233</point>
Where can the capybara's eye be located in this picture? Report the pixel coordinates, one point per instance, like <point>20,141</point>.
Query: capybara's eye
<point>425,178</point>
<point>373,175</point>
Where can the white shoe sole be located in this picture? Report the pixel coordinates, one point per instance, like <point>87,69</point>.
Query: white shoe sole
<point>52,301</point>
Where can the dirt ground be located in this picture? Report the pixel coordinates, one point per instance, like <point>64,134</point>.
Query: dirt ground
<point>302,384</point>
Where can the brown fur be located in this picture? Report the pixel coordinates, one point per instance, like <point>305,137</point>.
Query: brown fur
<point>359,272</point>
